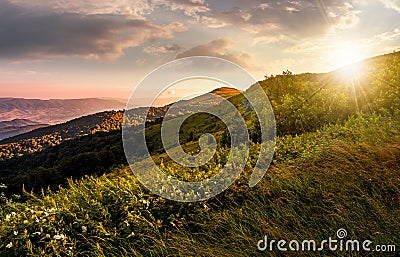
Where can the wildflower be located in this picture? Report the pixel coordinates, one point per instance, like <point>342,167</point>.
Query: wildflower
<point>15,233</point>
<point>13,213</point>
<point>9,245</point>
<point>59,237</point>
<point>84,229</point>
<point>47,235</point>
<point>131,235</point>
<point>37,233</point>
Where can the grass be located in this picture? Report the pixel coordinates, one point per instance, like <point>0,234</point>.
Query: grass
<point>343,176</point>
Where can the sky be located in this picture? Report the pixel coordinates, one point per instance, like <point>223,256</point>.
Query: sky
<point>102,48</point>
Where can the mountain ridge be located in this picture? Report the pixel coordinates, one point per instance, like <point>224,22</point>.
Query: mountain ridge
<point>54,111</point>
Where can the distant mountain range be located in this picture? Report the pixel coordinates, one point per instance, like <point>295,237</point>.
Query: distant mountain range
<point>18,126</point>
<point>45,136</point>
<point>55,111</point>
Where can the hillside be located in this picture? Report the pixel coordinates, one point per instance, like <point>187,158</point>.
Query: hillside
<point>332,181</point>
<point>336,165</point>
<point>42,138</point>
<point>54,111</point>
<point>38,151</point>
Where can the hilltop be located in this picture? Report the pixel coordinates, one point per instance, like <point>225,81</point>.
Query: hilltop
<point>226,92</point>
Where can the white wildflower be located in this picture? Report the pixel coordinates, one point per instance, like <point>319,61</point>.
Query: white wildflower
<point>15,233</point>
<point>59,237</point>
<point>9,245</point>
<point>84,229</point>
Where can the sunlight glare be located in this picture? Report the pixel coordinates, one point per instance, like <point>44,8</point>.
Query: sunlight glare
<point>348,59</point>
<point>346,55</point>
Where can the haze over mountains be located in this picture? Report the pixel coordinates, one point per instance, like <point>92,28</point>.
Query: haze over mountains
<point>19,115</point>
<point>18,126</point>
<point>54,111</point>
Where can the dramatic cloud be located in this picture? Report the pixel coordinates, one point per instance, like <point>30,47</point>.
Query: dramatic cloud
<point>219,48</point>
<point>274,20</point>
<point>394,4</point>
<point>135,9</point>
<point>41,33</point>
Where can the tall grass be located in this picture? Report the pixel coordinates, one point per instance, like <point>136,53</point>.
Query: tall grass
<point>343,176</point>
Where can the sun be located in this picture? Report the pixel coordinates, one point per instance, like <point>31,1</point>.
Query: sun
<point>347,58</point>
<point>345,55</point>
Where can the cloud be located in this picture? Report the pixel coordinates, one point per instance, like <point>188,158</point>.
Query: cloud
<point>219,48</point>
<point>41,33</point>
<point>174,48</point>
<point>386,36</point>
<point>191,8</point>
<point>136,9</point>
<point>277,20</point>
<point>393,4</point>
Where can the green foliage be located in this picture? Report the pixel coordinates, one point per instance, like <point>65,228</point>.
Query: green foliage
<point>90,155</point>
<point>348,178</point>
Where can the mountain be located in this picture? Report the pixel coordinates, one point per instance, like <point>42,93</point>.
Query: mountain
<point>18,126</point>
<point>101,122</point>
<point>42,138</point>
<point>55,111</point>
